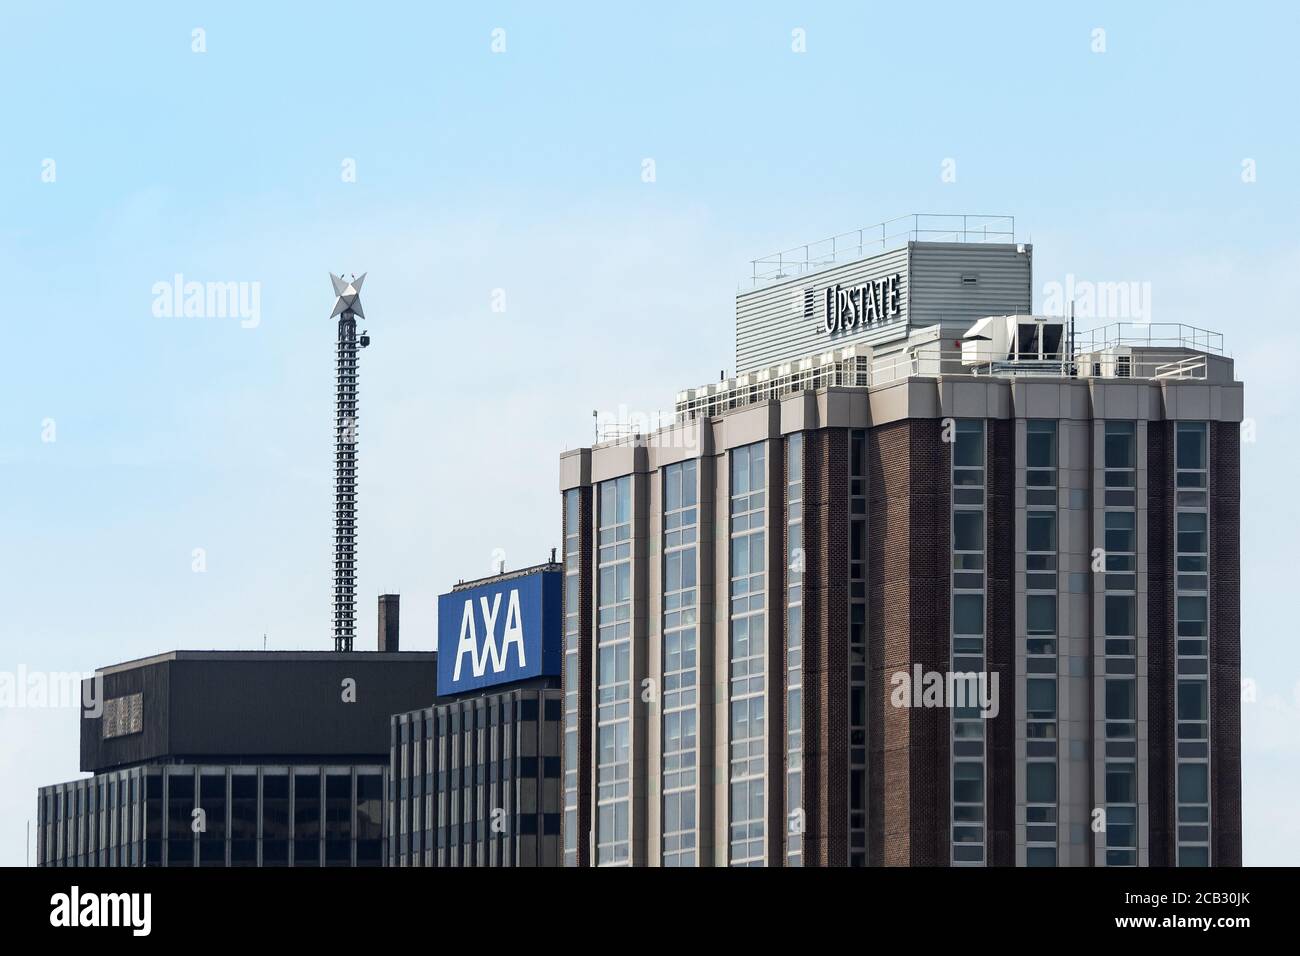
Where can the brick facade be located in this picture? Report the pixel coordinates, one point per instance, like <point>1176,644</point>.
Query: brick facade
<point>1225,643</point>
<point>908,554</point>
<point>1161,648</point>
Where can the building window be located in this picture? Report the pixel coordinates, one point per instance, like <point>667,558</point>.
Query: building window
<point>614,674</point>
<point>306,817</point>
<point>180,807</point>
<point>747,655</point>
<point>123,716</point>
<point>680,681</point>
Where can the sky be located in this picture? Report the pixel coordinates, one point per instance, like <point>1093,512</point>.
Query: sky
<point>555,205</point>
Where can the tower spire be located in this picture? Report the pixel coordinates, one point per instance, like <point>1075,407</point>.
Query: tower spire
<point>347,307</point>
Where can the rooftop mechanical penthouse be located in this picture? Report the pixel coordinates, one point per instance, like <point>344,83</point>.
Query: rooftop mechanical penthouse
<point>912,477</point>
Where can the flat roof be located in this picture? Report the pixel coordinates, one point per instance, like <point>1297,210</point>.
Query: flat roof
<point>507,575</point>
<point>267,656</point>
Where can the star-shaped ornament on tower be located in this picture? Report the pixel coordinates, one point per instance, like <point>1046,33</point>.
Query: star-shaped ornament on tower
<point>349,295</point>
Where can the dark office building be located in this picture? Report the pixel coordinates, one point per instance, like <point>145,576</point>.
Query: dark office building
<point>476,776</point>
<point>215,758</point>
<point>477,781</point>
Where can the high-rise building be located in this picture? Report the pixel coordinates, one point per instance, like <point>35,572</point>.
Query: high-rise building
<point>476,775</point>
<point>932,581</point>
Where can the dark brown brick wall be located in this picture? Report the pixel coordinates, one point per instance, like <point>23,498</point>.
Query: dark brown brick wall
<point>1225,643</point>
<point>1161,647</point>
<point>907,623</point>
<point>1000,741</point>
<point>826,628</point>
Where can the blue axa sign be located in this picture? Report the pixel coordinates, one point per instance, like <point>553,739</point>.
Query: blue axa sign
<point>499,632</point>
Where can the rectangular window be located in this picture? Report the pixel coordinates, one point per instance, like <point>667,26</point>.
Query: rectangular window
<point>1040,782</point>
<point>1040,613</point>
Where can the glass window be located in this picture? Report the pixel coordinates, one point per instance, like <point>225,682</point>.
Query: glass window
<point>1040,453</point>
<point>1192,703</point>
<point>1120,445</point>
<point>968,782</point>
<point>1193,783</point>
<point>1040,531</point>
<point>306,819</point>
<point>968,614</point>
<point>1121,531</point>
<point>1121,783</point>
<point>968,530</point>
<point>1120,615</point>
<point>1192,616</point>
<point>968,449</point>
<point>1040,612</point>
<point>1192,532</point>
<point>1121,699</point>
<point>1040,782</point>
<point>1040,697</point>
<point>1191,445</point>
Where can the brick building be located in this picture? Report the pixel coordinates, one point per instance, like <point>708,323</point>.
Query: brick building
<point>931,581</point>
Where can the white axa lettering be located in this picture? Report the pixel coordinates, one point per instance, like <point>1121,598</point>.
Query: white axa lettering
<point>469,644</point>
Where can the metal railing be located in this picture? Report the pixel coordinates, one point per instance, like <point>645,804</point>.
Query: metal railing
<point>856,371</point>
<point>1146,335</point>
<point>890,234</point>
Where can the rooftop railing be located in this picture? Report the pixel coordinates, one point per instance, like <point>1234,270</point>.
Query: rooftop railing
<point>1177,352</point>
<point>890,234</point>
<point>1147,335</point>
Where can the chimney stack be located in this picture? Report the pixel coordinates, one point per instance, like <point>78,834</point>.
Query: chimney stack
<point>389,612</point>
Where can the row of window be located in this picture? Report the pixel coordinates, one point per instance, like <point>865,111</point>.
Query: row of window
<point>210,816</point>
<point>794,803</point>
<point>1119,648</point>
<point>1191,628</point>
<point>572,668</point>
<point>857,853</point>
<point>678,769</point>
<point>967,651</point>
<point>747,658</point>
<point>614,673</point>
<point>1041,562</point>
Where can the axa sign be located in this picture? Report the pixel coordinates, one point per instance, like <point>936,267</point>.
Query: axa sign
<point>498,632</point>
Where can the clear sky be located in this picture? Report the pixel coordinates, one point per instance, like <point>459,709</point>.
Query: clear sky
<point>1162,151</point>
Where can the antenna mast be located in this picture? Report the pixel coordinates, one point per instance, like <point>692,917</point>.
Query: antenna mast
<point>348,309</point>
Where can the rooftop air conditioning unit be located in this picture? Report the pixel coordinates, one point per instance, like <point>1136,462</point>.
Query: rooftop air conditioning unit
<point>1113,362</point>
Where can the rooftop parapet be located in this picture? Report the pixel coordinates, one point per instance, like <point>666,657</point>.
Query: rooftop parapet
<point>1002,346</point>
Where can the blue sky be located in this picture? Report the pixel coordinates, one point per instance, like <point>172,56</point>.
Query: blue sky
<point>521,171</point>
